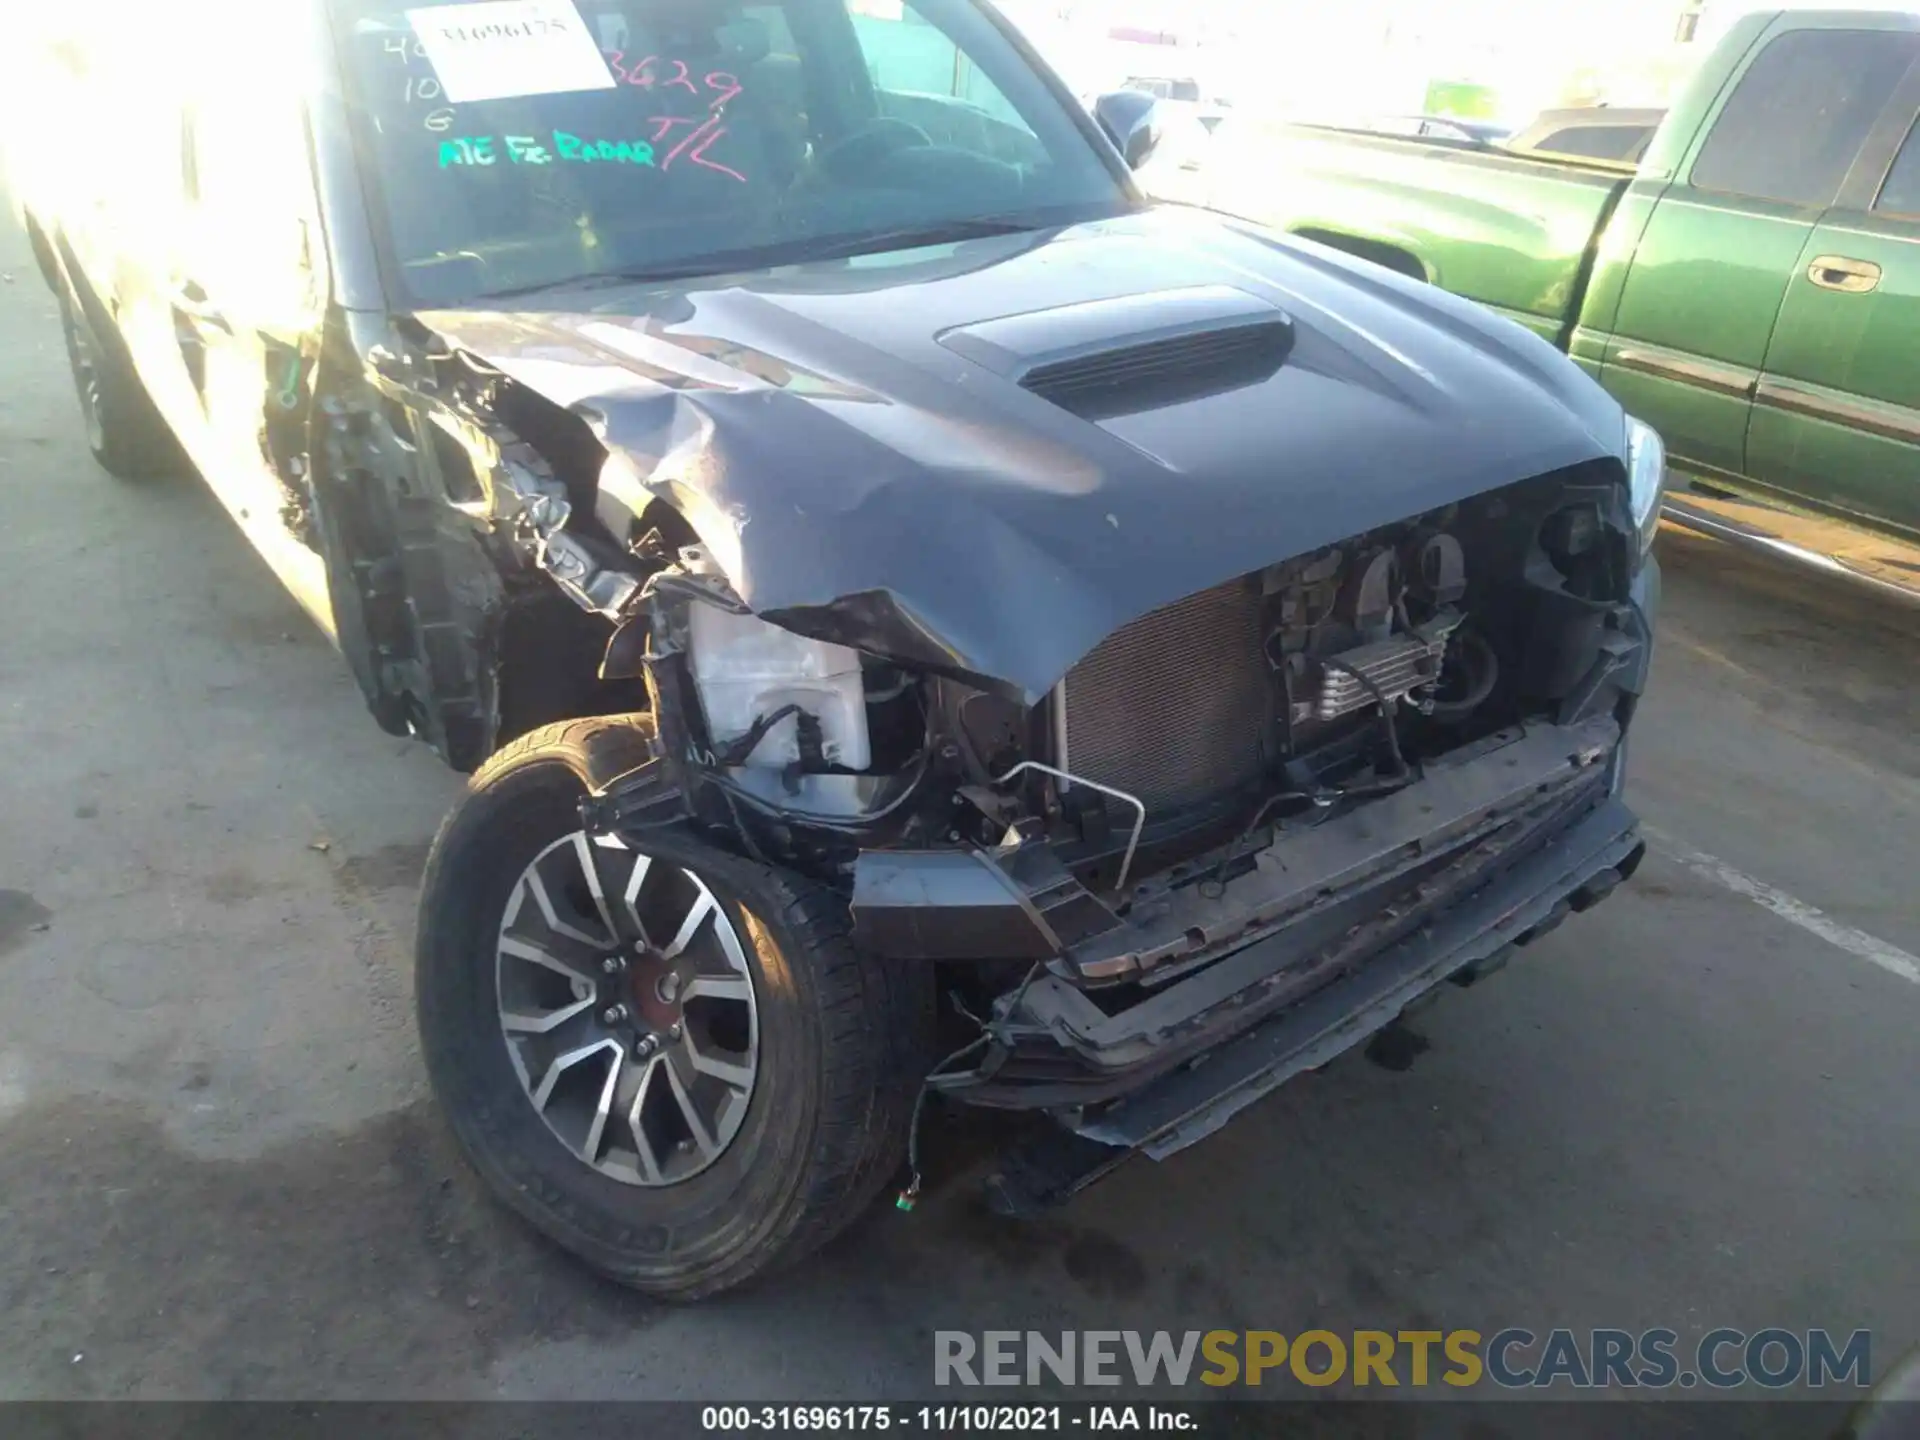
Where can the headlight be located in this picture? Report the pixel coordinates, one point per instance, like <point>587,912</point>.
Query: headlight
<point>747,670</point>
<point>1646,478</point>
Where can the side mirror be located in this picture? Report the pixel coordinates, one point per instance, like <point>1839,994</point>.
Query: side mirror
<point>1131,121</point>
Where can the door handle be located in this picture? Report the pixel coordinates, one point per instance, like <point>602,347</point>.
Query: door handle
<point>190,300</point>
<point>1849,277</point>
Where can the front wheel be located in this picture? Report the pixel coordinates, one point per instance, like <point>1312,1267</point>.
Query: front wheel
<point>668,1059</point>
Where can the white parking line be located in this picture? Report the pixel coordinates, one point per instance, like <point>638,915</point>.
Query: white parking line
<point>1890,958</point>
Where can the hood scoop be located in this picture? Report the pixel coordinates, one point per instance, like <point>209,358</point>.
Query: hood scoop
<point>1163,372</point>
<point>1135,352</point>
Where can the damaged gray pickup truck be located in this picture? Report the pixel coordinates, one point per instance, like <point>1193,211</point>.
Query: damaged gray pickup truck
<point>904,594</point>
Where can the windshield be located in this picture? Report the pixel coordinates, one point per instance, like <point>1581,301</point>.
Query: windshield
<point>520,144</point>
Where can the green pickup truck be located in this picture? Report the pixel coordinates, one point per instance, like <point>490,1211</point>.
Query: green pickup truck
<point>1752,288</point>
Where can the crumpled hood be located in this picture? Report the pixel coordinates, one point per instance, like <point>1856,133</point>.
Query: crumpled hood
<point>852,443</point>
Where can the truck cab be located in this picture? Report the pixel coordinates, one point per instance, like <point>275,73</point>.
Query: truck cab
<point>1756,292</point>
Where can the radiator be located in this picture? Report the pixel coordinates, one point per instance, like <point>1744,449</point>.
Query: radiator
<point>1173,708</point>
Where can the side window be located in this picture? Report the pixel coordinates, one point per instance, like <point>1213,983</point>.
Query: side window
<point>922,77</point>
<point>1799,115</point>
<point>1901,194</point>
<point>1596,142</point>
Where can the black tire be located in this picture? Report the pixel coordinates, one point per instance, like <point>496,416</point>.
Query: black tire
<point>843,1040</point>
<point>124,430</point>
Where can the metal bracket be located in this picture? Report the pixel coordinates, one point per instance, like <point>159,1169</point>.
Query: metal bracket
<point>1140,809</point>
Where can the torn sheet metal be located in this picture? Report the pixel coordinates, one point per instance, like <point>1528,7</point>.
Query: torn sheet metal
<point>525,497</point>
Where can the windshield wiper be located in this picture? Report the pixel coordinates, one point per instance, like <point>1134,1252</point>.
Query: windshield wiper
<point>912,237</point>
<point>598,281</point>
<point>831,247</point>
<point>791,252</point>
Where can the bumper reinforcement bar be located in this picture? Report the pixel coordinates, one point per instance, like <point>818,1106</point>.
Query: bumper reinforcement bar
<point>1577,868</point>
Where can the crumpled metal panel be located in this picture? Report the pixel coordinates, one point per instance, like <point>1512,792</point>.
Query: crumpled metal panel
<point>858,481</point>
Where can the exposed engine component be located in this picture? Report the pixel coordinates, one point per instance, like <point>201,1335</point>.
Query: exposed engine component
<point>774,699</point>
<point>773,696</point>
<point>1367,594</point>
<point>1471,671</point>
<point>1188,681</point>
<point>1347,631</point>
<point>1363,625</point>
<point>1438,573</point>
<point>1388,669</point>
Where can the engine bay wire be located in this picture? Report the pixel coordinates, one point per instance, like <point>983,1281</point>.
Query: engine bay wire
<point>909,1196</point>
<point>857,828</point>
<point>740,749</point>
<point>731,791</point>
<point>1403,776</point>
<point>1402,771</point>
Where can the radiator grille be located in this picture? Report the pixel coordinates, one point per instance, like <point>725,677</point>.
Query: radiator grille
<point>1173,708</point>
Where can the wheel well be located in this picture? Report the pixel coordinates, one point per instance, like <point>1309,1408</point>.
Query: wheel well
<point>547,650</point>
<point>43,255</point>
<point>550,649</point>
<point>452,631</point>
<point>1392,257</point>
<point>68,279</point>
<point>548,666</point>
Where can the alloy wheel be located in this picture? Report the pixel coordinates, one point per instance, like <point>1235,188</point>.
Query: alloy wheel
<point>627,1004</point>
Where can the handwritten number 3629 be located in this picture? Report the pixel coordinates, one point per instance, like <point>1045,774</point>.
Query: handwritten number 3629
<point>724,86</point>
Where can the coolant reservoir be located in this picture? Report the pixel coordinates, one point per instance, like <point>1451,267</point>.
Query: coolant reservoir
<point>746,668</point>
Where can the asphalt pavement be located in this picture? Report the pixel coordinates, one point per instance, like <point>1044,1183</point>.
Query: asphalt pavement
<point>221,1176</point>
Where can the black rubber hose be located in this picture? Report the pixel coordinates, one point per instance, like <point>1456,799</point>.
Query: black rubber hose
<point>737,751</point>
<point>1470,641</point>
<point>1402,770</point>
